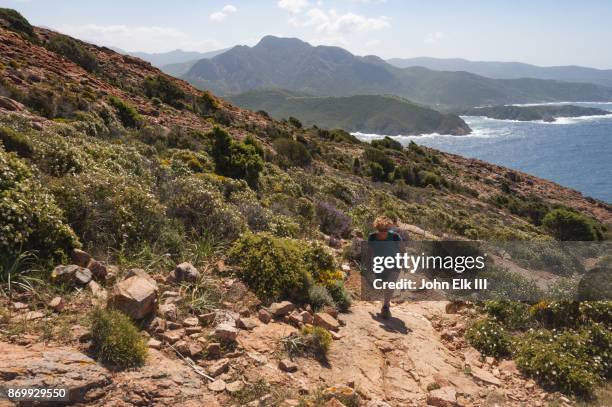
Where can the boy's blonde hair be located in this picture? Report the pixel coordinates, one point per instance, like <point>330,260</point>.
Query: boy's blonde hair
<point>383,223</point>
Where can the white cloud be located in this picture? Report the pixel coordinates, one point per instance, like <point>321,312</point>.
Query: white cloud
<point>332,23</point>
<point>434,37</point>
<point>225,11</point>
<point>142,38</point>
<point>293,6</point>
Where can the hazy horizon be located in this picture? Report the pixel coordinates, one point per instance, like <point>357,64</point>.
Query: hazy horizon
<point>543,33</point>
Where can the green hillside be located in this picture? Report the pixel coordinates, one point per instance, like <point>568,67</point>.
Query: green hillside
<point>365,113</point>
<point>547,113</point>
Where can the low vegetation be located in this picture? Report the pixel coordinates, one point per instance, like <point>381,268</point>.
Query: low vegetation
<point>116,340</point>
<point>565,345</point>
<point>74,51</point>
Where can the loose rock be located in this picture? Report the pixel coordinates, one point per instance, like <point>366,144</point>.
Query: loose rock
<point>135,296</point>
<point>280,309</point>
<point>442,397</point>
<point>287,365</point>
<point>57,304</point>
<point>226,332</point>
<point>326,321</point>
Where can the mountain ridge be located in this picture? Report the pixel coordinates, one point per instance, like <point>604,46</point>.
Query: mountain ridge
<point>333,71</point>
<point>510,70</point>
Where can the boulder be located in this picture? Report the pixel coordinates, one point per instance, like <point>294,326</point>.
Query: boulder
<point>135,296</point>
<point>80,258</point>
<point>226,332</point>
<point>326,321</point>
<point>208,318</point>
<point>246,323</point>
<point>287,365</point>
<point>154,344</point>
<point>264,316</point>
<point>213,349</point>
<point>442,397</point>
<point>219,367</point>
<point>168,311</point>
<point>280,309</point>
<point>10,104</point>
<point>98,269</point>
<point>306,317</point>
<point>173,336</point>
<point>234,387</point>
<point>191,322</point>
<point>66,274</point>
<point>484,376</point>
<point>83,276</point>
<point>377,403</point>
<point>217,385</point>
<point>184,272</point>
<point>57,304</point>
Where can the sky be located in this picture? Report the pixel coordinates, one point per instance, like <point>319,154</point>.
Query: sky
<point>541,32</point>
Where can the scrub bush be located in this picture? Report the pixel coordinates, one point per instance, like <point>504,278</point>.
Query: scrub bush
<point>31,219</point>
<point>489,337</point>
<point>116,340</point>
<point>272,267</point>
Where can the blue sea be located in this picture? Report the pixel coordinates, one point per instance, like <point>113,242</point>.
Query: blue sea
<point>573,152</point>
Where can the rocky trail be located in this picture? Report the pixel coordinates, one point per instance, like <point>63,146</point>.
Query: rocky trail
<point>416,358</point>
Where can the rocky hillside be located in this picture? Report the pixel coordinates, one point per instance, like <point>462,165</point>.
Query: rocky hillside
<point>165,247</point>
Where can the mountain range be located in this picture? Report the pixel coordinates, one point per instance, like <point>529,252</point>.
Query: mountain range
<point>510,70</point>
<point>379,114</point>
<point>292,64</point>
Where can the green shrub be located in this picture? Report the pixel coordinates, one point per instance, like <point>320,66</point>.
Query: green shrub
<point>128,116</point>
<point>165,89</point>
<point>338,136</point>
<point>511,314</point>
<point>558,314</point>
<point>206,103</point>
<point>317,340</point>
<point>319,297</point>
<point>272,267</point>
<point>340,295</point>
<point>374,155</point>
<point>291,153</point>
<point>74,51</point>
<point>31,219</point>
<point>110,210</point>
<point>489,337</point>
<point>116,340</point>
<point>13,21</point>
<point>377,172</point>
<point>429,178</point>
<point>202,209</point>
<point>235,159</point>
<point>42,101</point>
<point>387,142</point>
<point>568,225</point>
<point>318,259</point>
<point>16,142</point>
<point>569,360</point>
<point>295,122</point>
<point>313,341</point>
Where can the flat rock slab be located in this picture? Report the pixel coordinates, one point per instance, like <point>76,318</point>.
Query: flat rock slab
<point>58,367</point>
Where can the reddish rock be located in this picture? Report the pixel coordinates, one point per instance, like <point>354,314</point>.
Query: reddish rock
<point>326,321</point>
<point>280,309</point>
<point>57,304</point>
<point>226,332</point>
<point>442,397</point>
<point>80,258</point>
<point>287,365</point>
<point>264,316</point>
<point>135,296</point>
<point>219,367</point>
